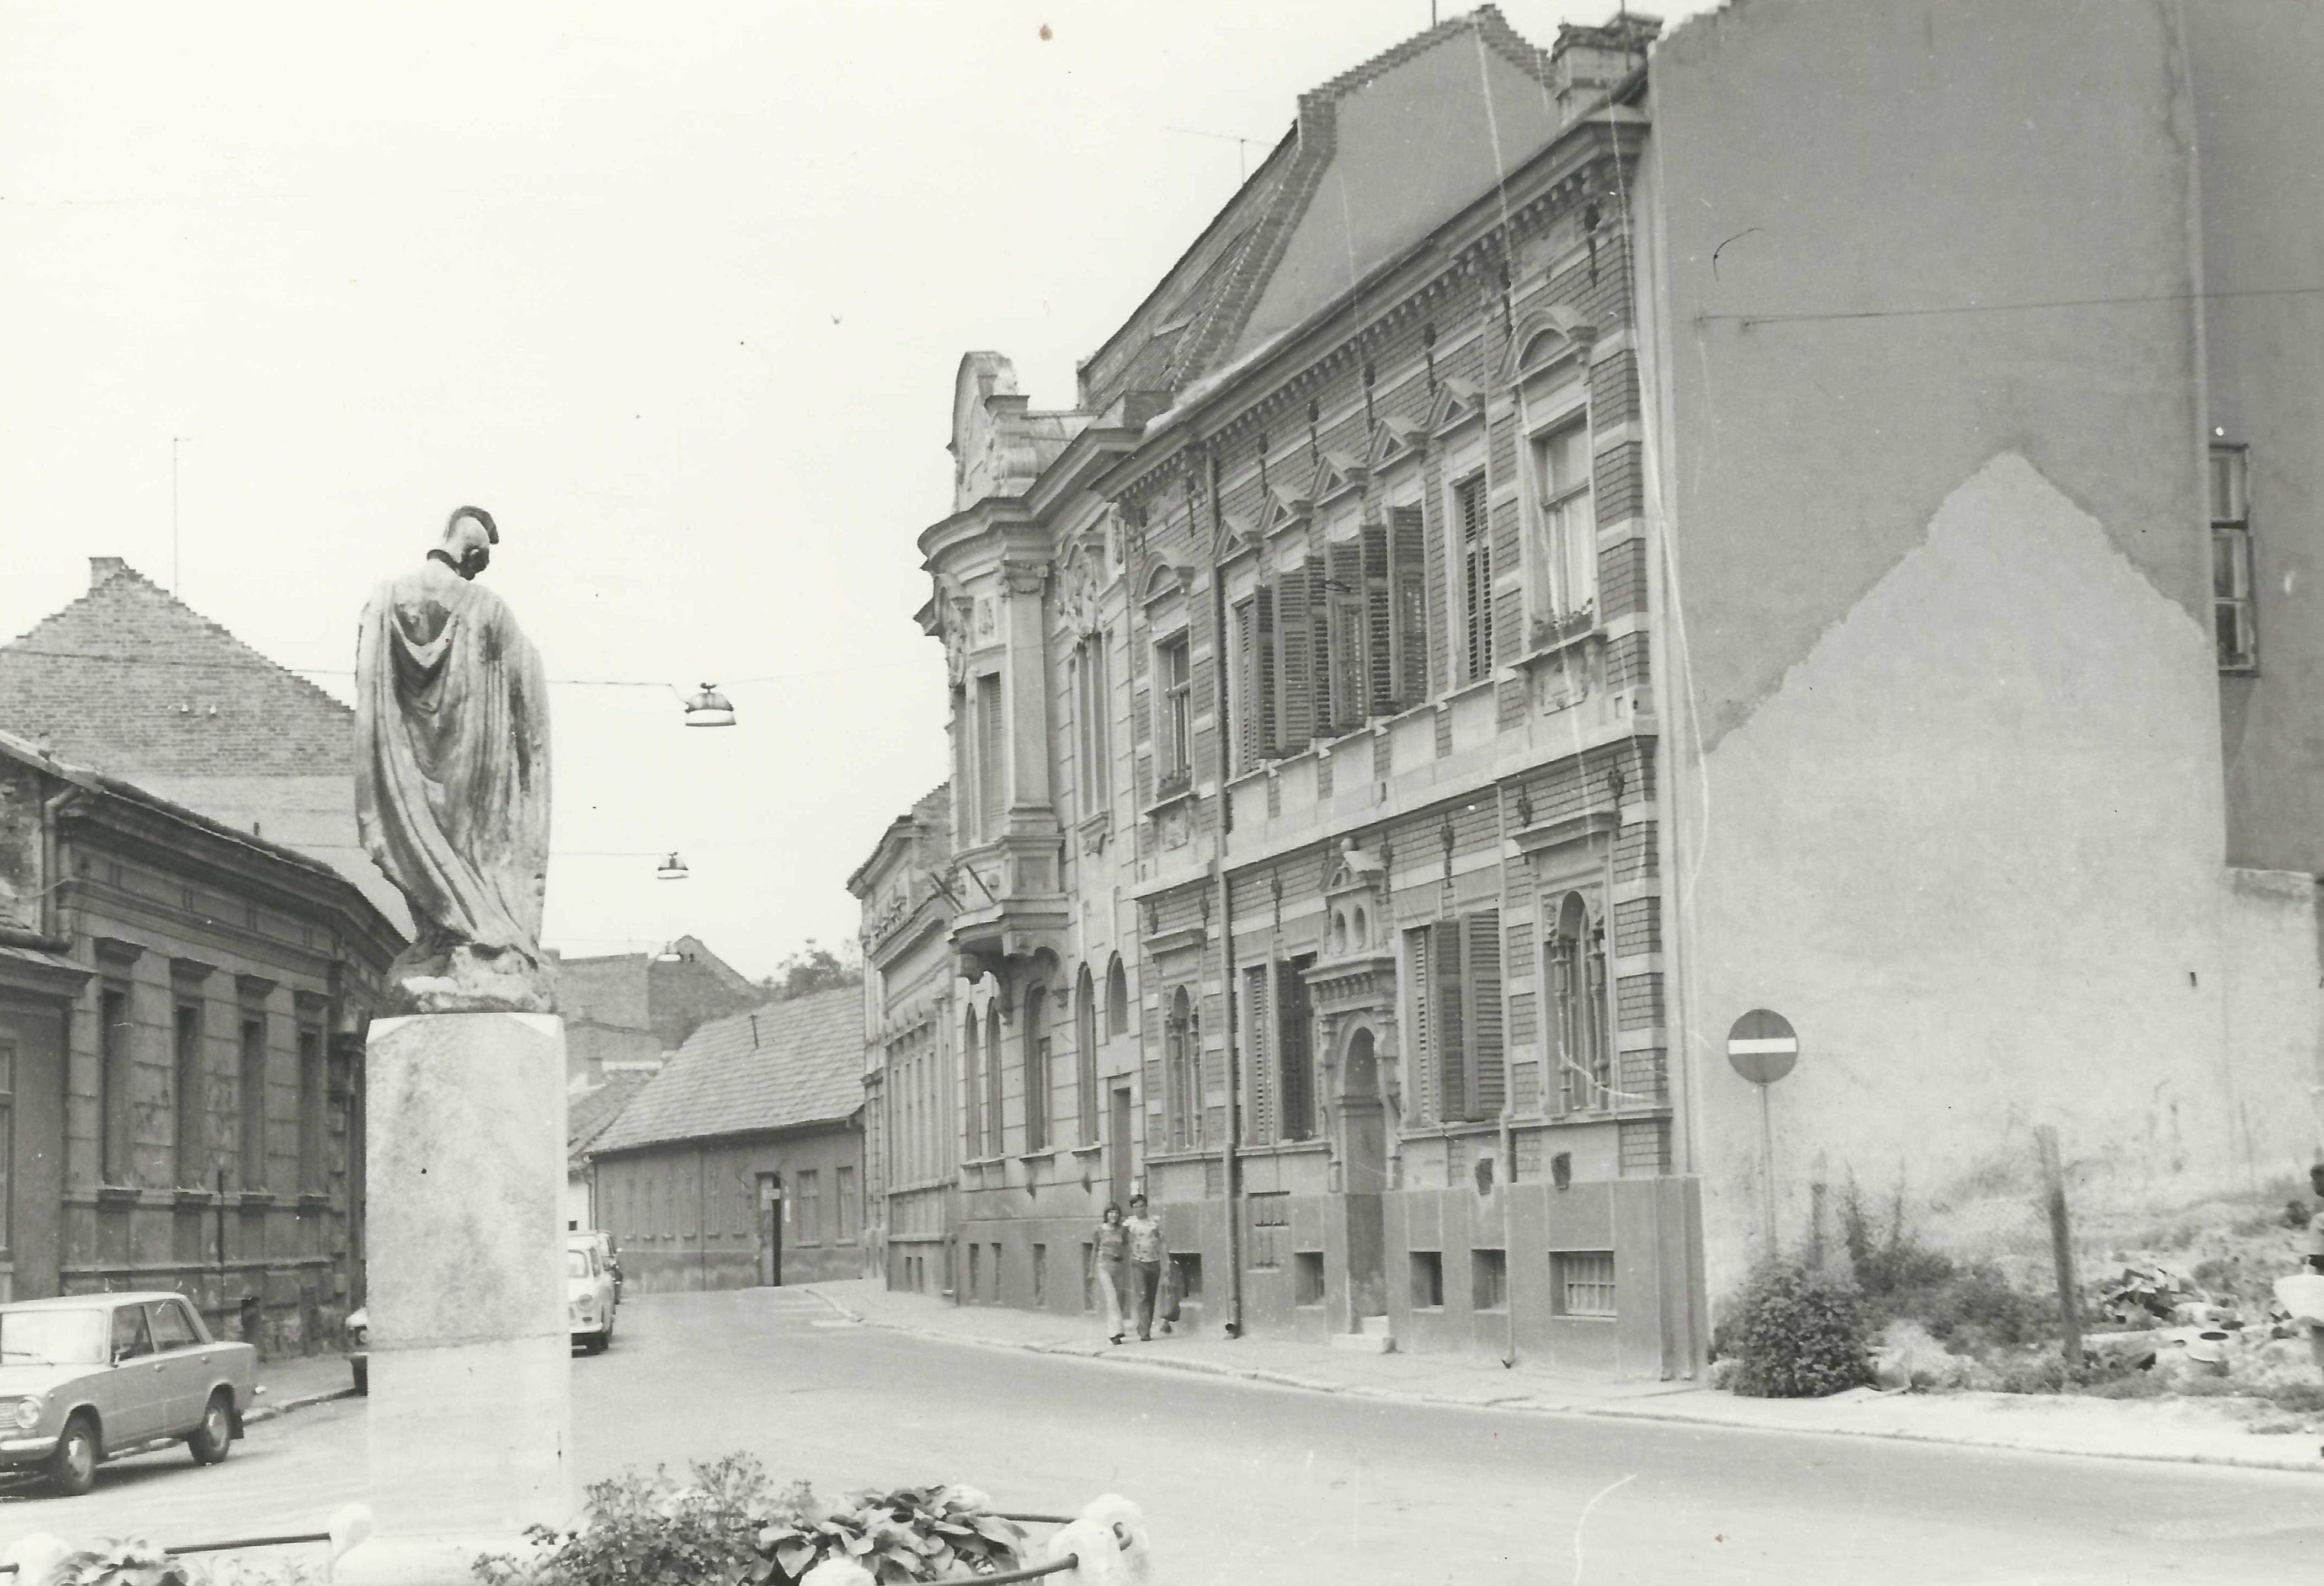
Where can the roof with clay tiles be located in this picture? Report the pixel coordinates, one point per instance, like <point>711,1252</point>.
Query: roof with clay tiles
<point>784,1066</point>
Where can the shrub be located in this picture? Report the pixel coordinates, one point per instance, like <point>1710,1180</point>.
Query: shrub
<point>730,1527</point>
<point>1796,1334</point>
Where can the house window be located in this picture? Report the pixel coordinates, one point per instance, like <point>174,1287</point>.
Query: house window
<point>1037,1069</point>
<point>1085,1056</point>
<point>1578,1022</point>
<point>1475,576</point>
<point>113,1068</point>
<point>993,1145</point>
<point>1565,554</point>
<point>1407,593</point>
<point>1093,705</point>
<point>1488,1280</point>
<point>1117,999</point>
<point>310,1112</point>
<point>807,1205</point>
<point>1174,661</point>
<point>1427,1280</point>
<point>2232,613</point>
<point>1581,1282</point>
<point>1456,978</point>
<point>1182,1065</point>
<point>844,1181</point>
<point>1255,698</point>
<point>1259,1120</point>
<point>973,1067</point>
<point>1295,1024</point>
<point>992,787</point>
<point>252,1117</point>
<point>191,1107</point>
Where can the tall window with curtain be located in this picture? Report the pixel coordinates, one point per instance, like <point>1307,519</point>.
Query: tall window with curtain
<point>1085,1056</point>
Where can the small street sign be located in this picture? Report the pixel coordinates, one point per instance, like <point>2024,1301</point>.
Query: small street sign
<point>1763,1047</point>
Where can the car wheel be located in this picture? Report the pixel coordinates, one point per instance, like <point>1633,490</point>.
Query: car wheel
<point>362,1377</point>
<point>215,1436</point>
<point>72,1468</point>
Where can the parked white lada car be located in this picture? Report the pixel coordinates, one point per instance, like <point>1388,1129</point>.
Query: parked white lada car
<point>89,1377</point>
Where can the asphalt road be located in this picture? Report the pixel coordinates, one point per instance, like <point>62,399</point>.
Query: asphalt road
<point>1249,1483</point>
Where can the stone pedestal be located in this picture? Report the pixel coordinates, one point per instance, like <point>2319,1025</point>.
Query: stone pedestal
<point>469,1412</point>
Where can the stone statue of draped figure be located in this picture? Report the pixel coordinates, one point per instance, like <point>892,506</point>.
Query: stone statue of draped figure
<point>452,778</point>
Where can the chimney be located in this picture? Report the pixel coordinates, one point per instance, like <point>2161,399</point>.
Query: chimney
<point>1586,62</point>
<point>102,571</point>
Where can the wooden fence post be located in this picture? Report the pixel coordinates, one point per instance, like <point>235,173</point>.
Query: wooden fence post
<point>2061,1245</point>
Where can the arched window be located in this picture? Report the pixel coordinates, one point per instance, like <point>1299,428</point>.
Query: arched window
<point>993,1080</point>
<point>1036,1068</point>
<point>1182,1065</point>
<point>1577,991</point>
<point>1086,1056</point>
<point>971,1063</point>
<point>1117,999</point>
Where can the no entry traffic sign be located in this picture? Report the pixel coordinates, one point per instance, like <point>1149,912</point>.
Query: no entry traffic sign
<point>1763,1047</point>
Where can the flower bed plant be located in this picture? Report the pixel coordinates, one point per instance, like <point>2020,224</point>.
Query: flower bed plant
<point>729,1525</point>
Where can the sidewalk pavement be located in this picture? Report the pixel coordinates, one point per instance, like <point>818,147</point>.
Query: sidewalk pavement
<point>296,1381</point>
<point>2178,1430</point>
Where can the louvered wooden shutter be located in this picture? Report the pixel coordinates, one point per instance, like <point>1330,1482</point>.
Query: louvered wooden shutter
<point>1264,708</point>
<point>1246,691</point>
<point>1488,1084</point>
<point>1380,661</point>
<point>1451,1044</point>
<point>1476,578</point>
<point>1298,674</point>
<point>1297,1062</point>
<point>1259,1058</point>
<point>1408,589</point>
<point>1420,1090</point>
<point>1349,680</point>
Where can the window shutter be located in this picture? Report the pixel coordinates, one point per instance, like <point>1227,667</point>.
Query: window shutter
<point>1264,708</point>
<point>1418,1093</point>
<point>1379,661</point>
<point>1319,640</point>
<point>1296,1061</point>
<point>1258,1055</point>
<point>1452,1046</point>
<point>1487,1081</point>
<point>1476,578</point>
<point>1246,691</point>
<point>1408,589</point>
<point>1298,674</point>
<point>1350,679</point>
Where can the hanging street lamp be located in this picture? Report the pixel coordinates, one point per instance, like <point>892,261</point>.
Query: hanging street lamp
<point>673,869</point>
<point>709,708</point>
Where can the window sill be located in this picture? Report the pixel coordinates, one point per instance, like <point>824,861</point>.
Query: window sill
<point>1041,1156</point>
<point>1086,1150</point>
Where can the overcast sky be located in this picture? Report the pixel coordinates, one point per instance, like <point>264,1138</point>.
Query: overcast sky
<point>675,291</point>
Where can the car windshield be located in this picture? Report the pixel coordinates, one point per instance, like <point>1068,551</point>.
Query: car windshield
<point>56,1338</point>
<point>577,1264</point>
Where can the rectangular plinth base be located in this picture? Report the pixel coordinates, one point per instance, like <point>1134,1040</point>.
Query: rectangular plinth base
<point>471,1361</point>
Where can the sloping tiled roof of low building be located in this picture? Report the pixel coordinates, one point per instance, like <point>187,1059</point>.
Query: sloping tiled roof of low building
<point>129,680</point>
<point>784,1066</point>
<point>590,1114</point>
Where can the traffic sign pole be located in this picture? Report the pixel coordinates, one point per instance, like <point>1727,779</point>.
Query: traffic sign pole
<point>1763,1047</point>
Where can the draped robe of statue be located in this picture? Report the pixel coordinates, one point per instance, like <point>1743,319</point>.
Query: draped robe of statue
<point>452,787</point>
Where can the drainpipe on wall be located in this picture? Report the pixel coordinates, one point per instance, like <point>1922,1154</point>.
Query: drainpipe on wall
<point>1506,1187</point>
<point>1229,1051</point>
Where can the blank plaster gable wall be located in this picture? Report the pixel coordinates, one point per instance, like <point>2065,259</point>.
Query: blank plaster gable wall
<point>1885,189</point>
<point>1413,146</point>
<point>1971,847</point>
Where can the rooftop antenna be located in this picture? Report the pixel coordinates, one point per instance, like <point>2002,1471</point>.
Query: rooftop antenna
<point>1243,145</point>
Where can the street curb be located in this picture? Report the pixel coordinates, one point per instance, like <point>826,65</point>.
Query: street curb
<point>1526,1405</point>
<point>268,1412</point>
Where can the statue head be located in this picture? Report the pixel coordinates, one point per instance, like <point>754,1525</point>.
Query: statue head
<point>469,536</point>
